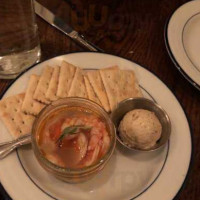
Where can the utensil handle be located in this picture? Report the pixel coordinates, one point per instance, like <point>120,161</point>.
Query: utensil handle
<point>81,40</point>
<point>8,147</point>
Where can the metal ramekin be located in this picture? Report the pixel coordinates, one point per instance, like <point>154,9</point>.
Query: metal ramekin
<point>142,103</point>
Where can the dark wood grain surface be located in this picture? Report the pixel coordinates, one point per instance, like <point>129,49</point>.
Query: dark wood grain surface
<point>133,29</point>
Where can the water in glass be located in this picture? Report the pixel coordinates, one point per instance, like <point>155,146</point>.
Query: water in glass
<point>19,43</point>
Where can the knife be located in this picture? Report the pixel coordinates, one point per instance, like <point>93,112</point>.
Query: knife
<point>58,23</point>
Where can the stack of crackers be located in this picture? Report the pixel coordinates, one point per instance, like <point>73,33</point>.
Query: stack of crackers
<point>107,87</point>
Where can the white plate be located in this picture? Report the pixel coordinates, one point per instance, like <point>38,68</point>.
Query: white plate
<point>182,37</point>
<point>128,175</point>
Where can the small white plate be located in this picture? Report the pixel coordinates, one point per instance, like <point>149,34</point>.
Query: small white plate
<point>182,39</point>
<point>128,175</point>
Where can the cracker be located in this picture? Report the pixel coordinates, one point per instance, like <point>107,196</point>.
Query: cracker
<point>66,76</point>
<point>17,122</point>
<point>30,105</point>
<point>90,92</point>
<point>78,88</point>
<point>111,80</point>
<point>119,85</point>
<point>128,85</point>
<point>97,84</point>
<point>43,85</point>
<point>53,85</point>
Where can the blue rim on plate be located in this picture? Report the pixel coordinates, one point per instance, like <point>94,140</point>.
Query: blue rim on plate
<point>7,197</point>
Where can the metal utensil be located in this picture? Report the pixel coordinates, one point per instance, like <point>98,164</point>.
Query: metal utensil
<point>146,104</point>
<point>58,23</point>
<point>8,147</point>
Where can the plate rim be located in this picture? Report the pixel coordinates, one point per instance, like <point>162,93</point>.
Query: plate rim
<point>170,53</point>
<point>149,70</point>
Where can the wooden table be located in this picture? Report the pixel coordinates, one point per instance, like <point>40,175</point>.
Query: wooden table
<point>134,30</point>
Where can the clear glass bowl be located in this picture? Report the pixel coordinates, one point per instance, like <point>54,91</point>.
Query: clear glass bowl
<point>68,174</point>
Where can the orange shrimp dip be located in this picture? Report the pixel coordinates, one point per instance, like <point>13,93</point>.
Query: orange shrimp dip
<point>73,138</point>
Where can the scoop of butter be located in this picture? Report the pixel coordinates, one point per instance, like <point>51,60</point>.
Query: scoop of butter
<point>140,128</point>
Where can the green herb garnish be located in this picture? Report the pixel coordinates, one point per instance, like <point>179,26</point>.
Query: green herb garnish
<point>71,130</point>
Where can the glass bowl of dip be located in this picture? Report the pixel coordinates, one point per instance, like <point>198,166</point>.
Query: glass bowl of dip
<point>73,139</point>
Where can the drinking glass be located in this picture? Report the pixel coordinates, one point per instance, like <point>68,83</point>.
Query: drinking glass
<point>19,42</point>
